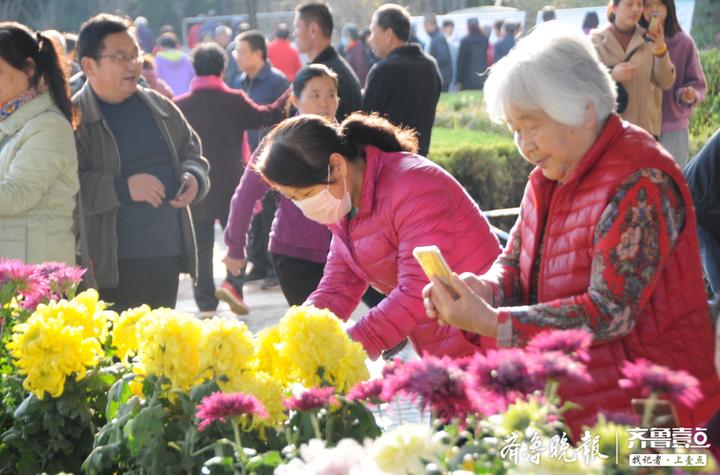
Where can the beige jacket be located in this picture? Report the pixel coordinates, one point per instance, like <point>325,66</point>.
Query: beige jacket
<point>38,184</point>
<point>653,76</point>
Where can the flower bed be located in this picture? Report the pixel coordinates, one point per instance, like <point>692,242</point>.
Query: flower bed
<point>159,391</point>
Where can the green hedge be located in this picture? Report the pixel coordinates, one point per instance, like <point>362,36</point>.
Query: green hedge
<point>706,118</point>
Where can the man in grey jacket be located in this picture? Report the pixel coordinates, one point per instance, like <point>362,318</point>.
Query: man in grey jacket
<point>140,167</point>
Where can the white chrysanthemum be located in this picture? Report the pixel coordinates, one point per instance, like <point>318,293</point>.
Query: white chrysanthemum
<point>406,449</point>
<point>316,459</point>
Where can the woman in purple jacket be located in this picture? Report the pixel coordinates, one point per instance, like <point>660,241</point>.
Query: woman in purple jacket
<point>363,179</point>
<point>298,246</point>
<point>689,89</point>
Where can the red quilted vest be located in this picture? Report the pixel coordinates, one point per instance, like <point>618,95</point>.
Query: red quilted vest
<point>674,328</point>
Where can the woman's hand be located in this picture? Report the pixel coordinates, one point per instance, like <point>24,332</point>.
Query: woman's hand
<point>623,72</point>
<point>656,33</point>
<point>688,95</point>
<point>234,266</point>
<point>468,311</point>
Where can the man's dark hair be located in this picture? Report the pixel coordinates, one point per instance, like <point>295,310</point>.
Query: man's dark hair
<point>318,13</point>
<point>509,27</point>
<point>93,32</point>
<point>70,41</point>
<point>548,13</point>
<point>498,24</point>
<point>168,40</point>
<point>282,31</point>
<point>447,23</point>
<point>208,59</point>
<point>256,40</point>
<point>396,18</point>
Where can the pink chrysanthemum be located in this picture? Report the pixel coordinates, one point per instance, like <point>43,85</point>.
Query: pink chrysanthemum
<point>621,418</point>
<point>60,277</point>
<point>315,398</point>
<point>220,406</point>
<point>390,368</point>
<point>18,278</point>
<point>650,378</point>
<point>574,343</point>
<point>508,373</point>
<point>367,391</point>
<point>437,382</point>
<point>561,367</point>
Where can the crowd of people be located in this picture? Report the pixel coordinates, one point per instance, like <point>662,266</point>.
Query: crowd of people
<point>130,176</point>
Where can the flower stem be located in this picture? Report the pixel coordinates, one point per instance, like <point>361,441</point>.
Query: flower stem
<point>315,424</point>
<point>648,409</point>
<point>328,428</point>
<point>551,391</point>
<point>238,445</point>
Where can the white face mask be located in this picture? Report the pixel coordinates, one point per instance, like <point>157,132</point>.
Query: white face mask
<point>323,207</point>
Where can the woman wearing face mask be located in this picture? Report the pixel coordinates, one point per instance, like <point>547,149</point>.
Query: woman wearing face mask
<point>363,179</point>
<point>689,88</point>
<point>639,61</point>
<point>298,246</point>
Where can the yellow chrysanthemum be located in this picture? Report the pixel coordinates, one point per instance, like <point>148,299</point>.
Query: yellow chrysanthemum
<point>125,330</point>
<point>351,368</point>
<point>47,351</point>
<point>315,342</point>
<point>267,389</point>
<point>85,311</point>
<point>168,344</point>
<point>226,347</point>
<point>267,355</point>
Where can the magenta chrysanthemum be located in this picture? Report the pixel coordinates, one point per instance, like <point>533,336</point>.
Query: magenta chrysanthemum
<point>220,406</point>
<point>60,277</point>
<point>508,373</point>
<point>560,367</point>
<point>315,398</point>
<point>650,378</point>
<point>437,382</point>
<point>621,418</point>
<point>574,343</point>
<point>367,391</point>
<point>22,280</point>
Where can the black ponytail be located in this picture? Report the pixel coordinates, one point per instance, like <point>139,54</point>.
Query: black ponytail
<point>359,129</point>
<point>297,151</point>
<point>50,67</point>
<point>23,50</point>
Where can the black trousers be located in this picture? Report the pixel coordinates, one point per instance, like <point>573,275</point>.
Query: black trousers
<point>150,280</point>
<point>299,278</point>
<point>204,288</point>
<point>259,236</point>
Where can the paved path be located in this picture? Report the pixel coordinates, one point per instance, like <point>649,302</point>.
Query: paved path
<point>269,306</point>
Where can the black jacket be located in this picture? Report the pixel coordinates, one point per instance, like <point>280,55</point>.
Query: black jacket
<point>440,50</point>
<point>349,91</point>
<point>472,61</point>
<point>703,176</point>
<point>405,88</point>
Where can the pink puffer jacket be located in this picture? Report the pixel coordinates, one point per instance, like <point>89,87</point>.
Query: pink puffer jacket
<point>406,201</point>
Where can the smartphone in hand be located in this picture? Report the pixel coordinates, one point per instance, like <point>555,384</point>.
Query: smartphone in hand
<point>184,184</point>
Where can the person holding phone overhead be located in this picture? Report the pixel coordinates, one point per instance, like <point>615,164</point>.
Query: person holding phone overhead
<point>638,60</point>
<point>364,180</point>
<point>689,88</point>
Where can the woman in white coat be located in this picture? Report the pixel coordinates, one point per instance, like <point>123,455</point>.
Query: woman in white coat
<point>38,160</point>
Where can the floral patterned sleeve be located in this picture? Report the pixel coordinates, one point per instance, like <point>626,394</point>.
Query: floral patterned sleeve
<point>635,234</point>
<point>504,275</point>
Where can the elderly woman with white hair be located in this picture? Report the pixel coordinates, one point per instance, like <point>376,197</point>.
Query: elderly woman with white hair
<point>605,240</point>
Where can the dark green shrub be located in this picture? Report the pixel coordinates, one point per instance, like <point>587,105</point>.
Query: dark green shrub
<point>706,118</point>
